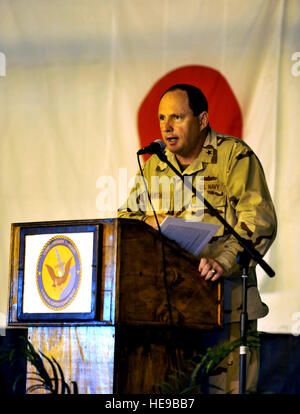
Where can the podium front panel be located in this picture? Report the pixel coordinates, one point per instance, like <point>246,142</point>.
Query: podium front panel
<point>158,292</point>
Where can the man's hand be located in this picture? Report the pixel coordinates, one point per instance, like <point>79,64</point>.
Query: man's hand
<point>152,222</point>
<point>210,269</point>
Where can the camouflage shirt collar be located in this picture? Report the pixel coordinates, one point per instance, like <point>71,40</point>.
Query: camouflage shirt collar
<point>207,155</point>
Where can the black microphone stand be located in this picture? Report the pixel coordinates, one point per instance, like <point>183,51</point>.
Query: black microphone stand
<point>243,258</point>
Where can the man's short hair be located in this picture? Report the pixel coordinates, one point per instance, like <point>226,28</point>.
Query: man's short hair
<point>197,100</point>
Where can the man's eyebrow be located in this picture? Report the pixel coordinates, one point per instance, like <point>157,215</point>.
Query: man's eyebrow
<point>174,114</point>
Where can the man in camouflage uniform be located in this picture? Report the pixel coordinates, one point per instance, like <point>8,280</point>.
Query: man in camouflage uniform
<point>235,185</point>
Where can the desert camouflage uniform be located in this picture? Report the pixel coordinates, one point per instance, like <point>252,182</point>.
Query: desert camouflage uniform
<point>235,185</point>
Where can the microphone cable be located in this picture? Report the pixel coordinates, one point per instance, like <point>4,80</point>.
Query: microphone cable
<point>162,246</point>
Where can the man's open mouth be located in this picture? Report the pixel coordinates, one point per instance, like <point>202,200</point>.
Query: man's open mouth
<point>172,140</point>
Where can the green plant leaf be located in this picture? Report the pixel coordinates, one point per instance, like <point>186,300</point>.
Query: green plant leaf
<point>55,375</point>
<point>40,375</point>
<point>75,387</point>
<point>200,367</point>
<point>64,385</point>
<point>15,383</point>
<point>38,387</point>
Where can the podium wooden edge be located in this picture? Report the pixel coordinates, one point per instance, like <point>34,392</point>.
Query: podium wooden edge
<point>116,226</point>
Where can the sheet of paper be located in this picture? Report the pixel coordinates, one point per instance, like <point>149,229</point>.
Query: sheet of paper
<point>190,235</point>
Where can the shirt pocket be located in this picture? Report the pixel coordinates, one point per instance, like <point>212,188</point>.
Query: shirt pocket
<point>216,196</point>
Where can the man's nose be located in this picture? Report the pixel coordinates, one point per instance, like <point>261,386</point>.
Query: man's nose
<point>168,126</point>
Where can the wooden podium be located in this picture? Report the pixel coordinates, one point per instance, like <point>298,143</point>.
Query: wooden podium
<point>143,325</point>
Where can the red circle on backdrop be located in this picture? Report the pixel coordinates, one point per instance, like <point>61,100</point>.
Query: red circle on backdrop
<point>224,111</point>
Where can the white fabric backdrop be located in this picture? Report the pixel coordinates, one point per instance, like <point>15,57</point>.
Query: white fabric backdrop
<point>76,73</point>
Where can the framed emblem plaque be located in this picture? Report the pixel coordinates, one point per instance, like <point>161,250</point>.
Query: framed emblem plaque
<point>57,277</point>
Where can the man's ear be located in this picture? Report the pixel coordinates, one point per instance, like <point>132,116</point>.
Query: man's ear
<point>203,120</point>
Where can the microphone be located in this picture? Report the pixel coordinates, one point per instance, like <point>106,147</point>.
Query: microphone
<point>155,147</point>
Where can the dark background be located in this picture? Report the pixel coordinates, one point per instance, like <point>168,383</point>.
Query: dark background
<point>279,370</point>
